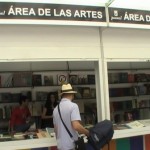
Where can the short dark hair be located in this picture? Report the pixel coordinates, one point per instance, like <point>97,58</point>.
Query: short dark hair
<point>22,99</point>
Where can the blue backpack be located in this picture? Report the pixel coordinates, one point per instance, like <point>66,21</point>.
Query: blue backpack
<point>101,134</point>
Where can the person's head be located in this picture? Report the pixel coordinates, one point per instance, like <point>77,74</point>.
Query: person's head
<point>67,91</point>
<point>51,99</point>
<point>23,100</point>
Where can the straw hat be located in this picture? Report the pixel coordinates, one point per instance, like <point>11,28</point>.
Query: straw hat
<point>67,88</point>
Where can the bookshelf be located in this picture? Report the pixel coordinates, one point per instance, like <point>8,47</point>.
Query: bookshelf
<point>129,94</point>
<point>37,84</point>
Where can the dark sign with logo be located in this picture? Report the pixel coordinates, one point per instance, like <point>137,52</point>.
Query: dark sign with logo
<point>42,11</point>
<point>129,16</point>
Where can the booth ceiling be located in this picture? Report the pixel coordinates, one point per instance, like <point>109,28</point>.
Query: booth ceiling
<point>128,4</point>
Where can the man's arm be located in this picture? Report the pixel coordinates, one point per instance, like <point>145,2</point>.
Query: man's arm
<point>78,127</point>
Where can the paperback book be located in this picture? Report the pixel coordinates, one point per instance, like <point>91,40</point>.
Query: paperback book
<point>134,124</point>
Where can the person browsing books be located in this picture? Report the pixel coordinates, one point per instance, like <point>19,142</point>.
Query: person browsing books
<point>71,117</point>
<point>21,117</point>
<point>47,114</point>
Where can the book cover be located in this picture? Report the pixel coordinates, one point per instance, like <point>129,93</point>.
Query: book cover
<point>148,77</point>
<point>37,80</point>
<point>141,77</point>
<point>143,103</point>
<point>7,110</point>
<point>86,92</point>
<point>115,78</point>
<point>117,106</point>
<point>93,93</point>
<point>81,106</point>
<point>142,90</point>
<point>130,78</point>
<point>22,79</point>
<point>118,118</point>
<point>123,77</point>
<point>1,113</point>
<point>128,116</point>
<point>41,96</point>
<point>6,97</point>
<point>7,80</point>
<point>28,94</point>
<point>134,103</point>
<point>145,122</point>
<point>0,81</point>
<point>26,79</point>
<point>15,97</point>
<point>48,80</point>
<point>127,105</point>
<point>50,131</point>
<point>147,88</point>
<point>109,78</point>
<point>73,79</point>
<point>134,124</point>
<point>78,95</point>
<point>91,79</point>
<point>82,79</point>
<point>36,109</point>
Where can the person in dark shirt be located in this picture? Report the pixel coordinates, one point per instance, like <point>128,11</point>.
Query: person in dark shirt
<point>21,117</point>
<point>47,114</point>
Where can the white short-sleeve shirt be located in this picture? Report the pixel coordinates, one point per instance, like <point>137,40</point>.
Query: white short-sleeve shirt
<point>69,112</point>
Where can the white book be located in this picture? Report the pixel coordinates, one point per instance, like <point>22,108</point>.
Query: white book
<point>146,122</point>
<point>134,124</point>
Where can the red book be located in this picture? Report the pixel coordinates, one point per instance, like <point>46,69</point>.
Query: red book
<point>130,78</point>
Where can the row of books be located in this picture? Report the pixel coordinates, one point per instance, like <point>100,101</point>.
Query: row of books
<point>119,92</point>
<point>5,111</point>
<point>136,114</point>
<point>63,79</point>
<point>130,110</point>
<point>126,116</point>
<point>126,77</point>
<point>82,93</point>
<point>35,110</point>
<point>131,125</point>
<point>14,97</point>
<point>27,79</point>
<point>85,92</point>
<point>129,105</point>
<point>121,106</point>
<point>130,91</point>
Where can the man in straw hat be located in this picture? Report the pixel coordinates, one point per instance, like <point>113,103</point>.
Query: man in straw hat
<point>71,117</point>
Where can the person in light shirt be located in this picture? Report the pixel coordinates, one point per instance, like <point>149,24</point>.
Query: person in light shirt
<point>71,117</point>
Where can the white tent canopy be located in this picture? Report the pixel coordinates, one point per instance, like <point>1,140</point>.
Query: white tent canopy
<point>129,4</point>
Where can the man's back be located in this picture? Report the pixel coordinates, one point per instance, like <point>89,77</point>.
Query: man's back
<point>69,112</point>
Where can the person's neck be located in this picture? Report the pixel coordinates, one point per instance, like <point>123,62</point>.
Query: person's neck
<point>68,97</point>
